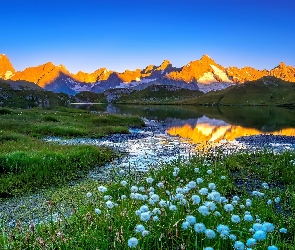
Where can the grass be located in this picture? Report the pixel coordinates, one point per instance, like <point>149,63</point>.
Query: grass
<point>27,163</point>
<point>103,219</point>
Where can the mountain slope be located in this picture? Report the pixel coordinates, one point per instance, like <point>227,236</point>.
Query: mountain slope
<point>268,90</point>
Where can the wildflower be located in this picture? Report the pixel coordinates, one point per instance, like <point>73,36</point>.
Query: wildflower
<point>277,199</point>
<point>199,180</point>
<point>259,235</point>
<point>208,248</point>
<point>196,170</point>
<point>132,242</point>
<point>242,206</point>
<point>97,210</point>
<point>162,203</point>
<point>258,221</point>
<point>138,196</point>
<point>265,185</point>
<point>248,217</point>
<point>183,201</point>
<point>88,194</point>
<point>134,189</point>
<point>211,205</point>
<point>272,248</point>
<point>102,189</point>
<point>149,180</point>
<point>123,197</point>
<point>156,210</point>
<point>185,225</point>
<point>123,183</point>
<point>174,173</point>
<point>191,219</point>
<point>204,210</point>
<point>151,189</point>
<point>203,191</point>
<point>138,212</point>
<point>257,226</point>
<point>248,203</point>
<point>269,202</point>
<point>212,186</point>
<point>176,170</point>
<point>196,199</point>
<point>155,218</point>
<point>232,237</point>
<point>223,177</point>
<point>179,196</point>
<point>110,204</point>
<point>132,195</point>
<point>139,228</point>
<point>210,234</point>
<point>236,198</point>
<point>209,171</point>
<point>223,229</point>
<point>167,192</point>
<point>121,172</point>
<point>144,208</point>
<point>215,196</point>
<point>145,216</point>
<point>283,230</point>
<point>223,199</point>
<point>141,189</point>
<point>160,185</point>
<point>216,213</point>
<point>107,197</point>
<point>199,227</point>
<point>172,208</point>
<point>228,207</point>
<point>239,245</point>
<point>145,233</point>
<point>251,242</point>
<point>267,227</point>
<point>155,197</point>
<point>235,218</point>
<point>144,197</point>
<point>234,203</point>
<point>186,190</point>
<point>192,184</point>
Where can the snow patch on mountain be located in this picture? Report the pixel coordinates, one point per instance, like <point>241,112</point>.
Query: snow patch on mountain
<point>208,77</point>
<point>221,74</point>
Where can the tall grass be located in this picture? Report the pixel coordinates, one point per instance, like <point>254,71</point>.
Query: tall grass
<point>160,209</point>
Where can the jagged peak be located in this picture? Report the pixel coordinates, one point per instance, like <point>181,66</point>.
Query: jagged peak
<point>165,62</point>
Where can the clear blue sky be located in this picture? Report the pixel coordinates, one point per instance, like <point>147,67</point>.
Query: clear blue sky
<point>89,34</point>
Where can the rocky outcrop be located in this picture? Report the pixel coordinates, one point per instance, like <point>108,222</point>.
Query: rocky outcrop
<point>6,68</point>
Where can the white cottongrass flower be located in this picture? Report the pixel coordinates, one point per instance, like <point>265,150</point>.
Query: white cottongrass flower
<point>191,219</point>
<point>196,199</point>
<point>155,197</point>
<point>239,245</point>
<point>134,189</point>
<point>149,180</point>
<point>156,210</point>
<point>185,225</point>
<point>212,186</point>
<point>145,216</point>
<point>132,195</point>
<point>138,212</point>
<point>214,196</point>
<point>203,191</point>
<point>269,202</point>
<point>107,197</point>
<point>209,171</point>
<point>155,218</point>
<point>110,204</point>
<point>235,218</point>
<point>144,208</point>
<point>204,210</point>
<point>216,213</point>
<point>123,183</point>
<point>223,177</point>
<point>88,194</point>
<point>199,227</point>
<point>102,189</point>
<point>228,207</point>
<point>138,196</point>
<point>163,203</point>
<point>192,184</point>
<point>139,228</point>
<point>277,199</point>
<point>141,189</point>
<point>211,205</point>
<point>199,180</point>
<point>151,189</point>
<point>196,170</point>
<point>132,242</point>
<point>210,234</point>
<point>175,173</point>
<point>172,208</point>
<point>248,217</point>
<point>97,211</point>
<point>160,185</point>
<point>145,233</point>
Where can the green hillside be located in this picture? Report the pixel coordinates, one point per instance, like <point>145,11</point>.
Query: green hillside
<point>159,94</point>
<point>269,91</point>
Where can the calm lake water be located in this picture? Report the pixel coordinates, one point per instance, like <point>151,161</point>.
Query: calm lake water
<point>202,124</point>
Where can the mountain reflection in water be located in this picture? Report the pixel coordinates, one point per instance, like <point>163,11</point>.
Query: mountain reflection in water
<point>206,129</point>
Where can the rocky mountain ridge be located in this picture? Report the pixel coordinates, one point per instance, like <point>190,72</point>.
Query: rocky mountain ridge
<point>203,74</point>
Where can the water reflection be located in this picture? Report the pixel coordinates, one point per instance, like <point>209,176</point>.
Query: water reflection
<point>202,123</point>
<point>206,129</point>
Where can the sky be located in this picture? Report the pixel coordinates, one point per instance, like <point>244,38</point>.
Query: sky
<point>90,34</point>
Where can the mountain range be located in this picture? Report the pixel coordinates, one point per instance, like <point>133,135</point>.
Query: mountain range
<point>203,75</point>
